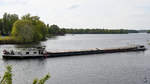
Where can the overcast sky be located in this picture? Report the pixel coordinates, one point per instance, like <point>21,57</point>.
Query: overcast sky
<point>114,14</point>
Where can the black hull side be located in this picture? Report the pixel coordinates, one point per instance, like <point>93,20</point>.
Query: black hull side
<point>22,57</point>
<point>62,54</point>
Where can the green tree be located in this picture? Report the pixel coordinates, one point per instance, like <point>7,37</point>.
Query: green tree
<point>1,26</point>
<point>41,30</point>
<point>8,20</point>
<point>27,31</point>
<point>40,27</point>
<point>7,78</point>
<point>29,17</point>
<point>23,31</point>
<point>55,30</point>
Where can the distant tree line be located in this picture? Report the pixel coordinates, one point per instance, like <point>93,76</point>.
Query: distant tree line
<point>133,31</point>
<point>31,29</point>
<point>148,31</point>
<point>95,31</point>
<point>56,30</point>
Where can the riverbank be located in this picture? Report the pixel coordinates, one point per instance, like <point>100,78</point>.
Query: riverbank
<point>12,40</point>
<point>7,40</point>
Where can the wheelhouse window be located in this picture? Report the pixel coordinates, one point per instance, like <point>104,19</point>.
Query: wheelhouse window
<point>141,46</point>
<point>40,52</point>
<point>34,52</point>
<point>27,52</point>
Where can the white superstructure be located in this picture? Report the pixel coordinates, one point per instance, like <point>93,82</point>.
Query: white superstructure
<point>38,51</point>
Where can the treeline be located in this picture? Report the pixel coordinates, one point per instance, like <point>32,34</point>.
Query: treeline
<point>56,30</point>
<point>9,24</point>
<point>22,30</point>
<point>6,23</point>
<point>95,31</point>
<point>148,31</point>
<point>27,29</point>
<point>133,31</point>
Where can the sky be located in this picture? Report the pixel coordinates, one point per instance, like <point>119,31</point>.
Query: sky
<point>108,14</point>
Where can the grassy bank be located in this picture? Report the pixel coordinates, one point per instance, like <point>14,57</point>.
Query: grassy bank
<point>11,40</point>
<point>7,40</point>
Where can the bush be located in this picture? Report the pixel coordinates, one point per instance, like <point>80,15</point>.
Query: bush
<point>26,31</point>
<point>40,30</point>
<point>23,31</point>
<point>7,78</point>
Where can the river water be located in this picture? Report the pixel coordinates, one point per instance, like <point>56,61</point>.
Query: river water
<point>115,68</point>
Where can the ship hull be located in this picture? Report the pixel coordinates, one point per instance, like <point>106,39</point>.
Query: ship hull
<point>74,53</point>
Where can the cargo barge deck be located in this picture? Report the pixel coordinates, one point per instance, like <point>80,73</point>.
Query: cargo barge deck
<point>42,53</point>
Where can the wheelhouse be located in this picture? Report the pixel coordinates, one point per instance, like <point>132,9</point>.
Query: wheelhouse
<point>27,51</point>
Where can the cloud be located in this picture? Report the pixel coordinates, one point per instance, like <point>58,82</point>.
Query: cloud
<point>74,6</point>
<point>13,2</point>
<point>132,14</point>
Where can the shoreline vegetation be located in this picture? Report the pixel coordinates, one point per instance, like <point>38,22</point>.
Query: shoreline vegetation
<point>148,31</point>
<point>7,77</point>
<point>30,29</point>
